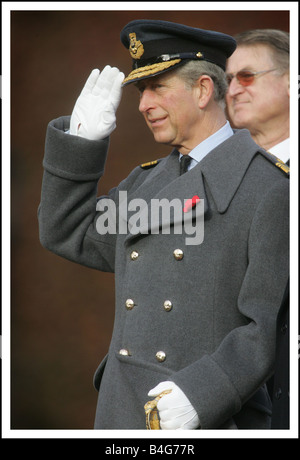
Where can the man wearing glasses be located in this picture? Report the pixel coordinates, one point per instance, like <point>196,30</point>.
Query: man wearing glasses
<point>258,99</point>
<point>258,94</point>
<point>194,324</point>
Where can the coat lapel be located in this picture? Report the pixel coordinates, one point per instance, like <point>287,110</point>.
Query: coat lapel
<point>165,185</point>
<point>223,169</point>
<point>225,166</point>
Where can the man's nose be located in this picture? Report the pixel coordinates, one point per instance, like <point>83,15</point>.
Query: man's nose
<point>146,101</point>
<point>234,87</point>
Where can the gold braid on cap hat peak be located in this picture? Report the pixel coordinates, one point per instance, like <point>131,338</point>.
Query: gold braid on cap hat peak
<point>150,69</point>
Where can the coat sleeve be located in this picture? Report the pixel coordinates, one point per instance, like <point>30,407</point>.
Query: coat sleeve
<point>219,384</point>
<point>67,212</point>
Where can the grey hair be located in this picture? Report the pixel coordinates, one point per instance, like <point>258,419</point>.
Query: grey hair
<point>278,42</point>
<point>192,70</point>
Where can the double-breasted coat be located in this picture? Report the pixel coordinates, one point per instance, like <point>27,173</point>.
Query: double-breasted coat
<point>203,317</point>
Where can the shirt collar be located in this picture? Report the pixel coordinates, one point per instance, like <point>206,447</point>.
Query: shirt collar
<point>282,150</point>
<point>202,149</point>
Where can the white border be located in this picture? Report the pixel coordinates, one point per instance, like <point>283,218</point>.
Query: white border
<point>7,7</point>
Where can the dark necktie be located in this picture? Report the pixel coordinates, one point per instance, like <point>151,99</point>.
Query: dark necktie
<point>184,163</point>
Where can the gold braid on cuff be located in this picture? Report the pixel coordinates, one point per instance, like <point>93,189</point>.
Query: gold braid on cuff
<point>152,417</point>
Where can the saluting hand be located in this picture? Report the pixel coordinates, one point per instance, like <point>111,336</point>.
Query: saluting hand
<point>94,114</point>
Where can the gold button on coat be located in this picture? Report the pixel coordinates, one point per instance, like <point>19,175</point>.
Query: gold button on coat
<point>129,304</point>
<point>124,352</point>
<point>134,255</point>
<point>168,305</point>
<point>178,254</point>
<point>160,356</point>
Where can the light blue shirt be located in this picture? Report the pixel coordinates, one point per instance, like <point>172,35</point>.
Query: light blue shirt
<point>202,149</point>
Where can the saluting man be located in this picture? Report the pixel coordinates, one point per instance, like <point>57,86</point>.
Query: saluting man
<point>195,320</point>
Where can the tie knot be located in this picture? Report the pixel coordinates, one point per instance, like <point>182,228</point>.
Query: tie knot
<point>184,163</point>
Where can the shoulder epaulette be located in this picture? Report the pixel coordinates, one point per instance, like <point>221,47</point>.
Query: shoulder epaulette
<point>149,165</point>
<point>276,161</point>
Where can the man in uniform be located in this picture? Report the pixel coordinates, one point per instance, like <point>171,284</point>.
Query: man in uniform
<point>195,319</point>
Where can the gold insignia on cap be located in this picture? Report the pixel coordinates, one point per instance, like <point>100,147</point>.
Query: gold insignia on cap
<point>136,47</point>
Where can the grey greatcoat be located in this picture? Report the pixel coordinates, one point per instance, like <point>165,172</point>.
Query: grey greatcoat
<point>216,333</point>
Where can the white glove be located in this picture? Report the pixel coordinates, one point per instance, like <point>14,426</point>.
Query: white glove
<point>175,410</point>
<point>93,116</point>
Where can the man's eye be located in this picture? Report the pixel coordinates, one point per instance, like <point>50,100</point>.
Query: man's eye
<point>140,90</point>
<point>152,87</point>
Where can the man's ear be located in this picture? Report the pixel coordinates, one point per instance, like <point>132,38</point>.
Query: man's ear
<point>206,90</point>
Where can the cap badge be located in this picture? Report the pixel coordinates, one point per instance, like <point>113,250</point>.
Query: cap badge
<point>136,48</point>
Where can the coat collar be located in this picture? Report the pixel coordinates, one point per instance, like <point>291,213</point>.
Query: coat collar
<point>164,183</point>
<point>223,170</point>
<point>225,166</point>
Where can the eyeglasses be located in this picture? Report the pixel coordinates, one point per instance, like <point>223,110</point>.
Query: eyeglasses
<point>245,77</point>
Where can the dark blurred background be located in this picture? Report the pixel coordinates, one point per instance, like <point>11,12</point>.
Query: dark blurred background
<point>62,313</point>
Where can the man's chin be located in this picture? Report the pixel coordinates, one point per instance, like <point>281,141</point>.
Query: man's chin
<point>162,139</point>
<point>239,122</point>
